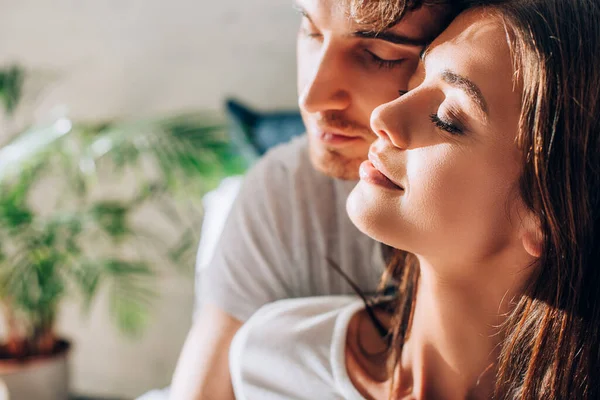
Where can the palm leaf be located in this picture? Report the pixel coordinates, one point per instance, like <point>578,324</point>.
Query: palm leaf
<point>44,257</point>
<point>11,84</point>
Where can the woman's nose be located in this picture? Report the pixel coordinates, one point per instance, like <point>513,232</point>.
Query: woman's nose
<point>387,123</point>
<point>417,77</point>
<point>403,121</point>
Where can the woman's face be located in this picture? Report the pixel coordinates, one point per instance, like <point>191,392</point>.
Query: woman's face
<point>442,176</point>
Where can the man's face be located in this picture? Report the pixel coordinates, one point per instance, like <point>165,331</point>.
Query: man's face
<point>345,71</point>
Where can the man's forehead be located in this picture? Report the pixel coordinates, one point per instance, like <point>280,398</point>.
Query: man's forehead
<point>422,24</point>
<point>331,10</point>
<point>345,11</point>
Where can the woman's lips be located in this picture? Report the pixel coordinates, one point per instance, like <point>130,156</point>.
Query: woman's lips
<point>370,174</point>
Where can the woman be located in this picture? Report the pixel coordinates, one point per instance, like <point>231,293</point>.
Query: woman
<point>486,177</point>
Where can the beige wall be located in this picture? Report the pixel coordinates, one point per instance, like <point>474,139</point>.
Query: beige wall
<point>111,58</point>
<point>116,57</point>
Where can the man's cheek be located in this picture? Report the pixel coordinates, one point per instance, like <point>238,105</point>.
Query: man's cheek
<point>304,75</point>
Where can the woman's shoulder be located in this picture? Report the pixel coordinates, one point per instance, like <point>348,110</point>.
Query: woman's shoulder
<point>298,322</point>
<point>304,308</point>
<point>285,349</point>
<point>306,321</point>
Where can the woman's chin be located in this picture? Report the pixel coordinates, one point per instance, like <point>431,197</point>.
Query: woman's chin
<point>378,214</point>
<point>366,210</point>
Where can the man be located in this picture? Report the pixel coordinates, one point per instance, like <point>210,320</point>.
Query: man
<point>289,221</point>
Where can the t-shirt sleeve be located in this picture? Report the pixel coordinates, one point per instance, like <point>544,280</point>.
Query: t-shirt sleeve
<point>253,262</point>
<point>284,351</point>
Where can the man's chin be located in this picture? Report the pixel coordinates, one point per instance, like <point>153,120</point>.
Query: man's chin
<point>334,164</point>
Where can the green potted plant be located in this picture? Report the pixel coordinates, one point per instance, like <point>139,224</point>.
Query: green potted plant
<point>80,241</point>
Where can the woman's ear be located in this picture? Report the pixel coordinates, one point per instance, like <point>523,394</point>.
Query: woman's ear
<point>531,235</point>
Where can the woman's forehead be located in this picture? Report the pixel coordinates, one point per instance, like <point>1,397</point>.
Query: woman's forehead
<point>473,27</point>
<point>475,54</point>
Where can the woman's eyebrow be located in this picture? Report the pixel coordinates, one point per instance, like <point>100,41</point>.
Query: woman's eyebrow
<point>467,86</point>
<point>460,82</point>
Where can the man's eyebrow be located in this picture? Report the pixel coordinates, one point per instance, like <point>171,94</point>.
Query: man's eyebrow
<point>471,89</point>
<point>302,11</point>
<point>391,37</point>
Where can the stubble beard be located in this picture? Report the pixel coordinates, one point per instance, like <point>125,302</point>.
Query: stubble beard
<point>334,164</point>
<point>341,164</point>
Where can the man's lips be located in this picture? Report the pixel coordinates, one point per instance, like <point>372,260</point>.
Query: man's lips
<point>350,132</point>
<point>336,132</point>
<point>336,137</point>
<point>379,166</point>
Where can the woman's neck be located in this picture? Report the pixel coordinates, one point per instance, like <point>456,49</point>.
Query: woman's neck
<point>456,331</point>
<point>450,345</point>
<point>454,340</point>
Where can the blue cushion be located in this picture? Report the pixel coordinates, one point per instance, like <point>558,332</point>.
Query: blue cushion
<point>260,130</point>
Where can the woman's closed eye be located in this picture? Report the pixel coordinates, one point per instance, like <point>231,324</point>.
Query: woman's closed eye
<point>446,125</point>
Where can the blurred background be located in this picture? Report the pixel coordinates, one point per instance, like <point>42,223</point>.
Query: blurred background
<point>117,118</point>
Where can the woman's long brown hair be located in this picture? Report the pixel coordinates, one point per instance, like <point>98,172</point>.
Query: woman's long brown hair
<point>551,348</point>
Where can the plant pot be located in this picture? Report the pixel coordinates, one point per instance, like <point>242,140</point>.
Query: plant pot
<point>38,378</point>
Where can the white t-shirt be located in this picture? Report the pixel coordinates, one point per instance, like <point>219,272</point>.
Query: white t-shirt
<point>295,349</point>
<point>286,222</point>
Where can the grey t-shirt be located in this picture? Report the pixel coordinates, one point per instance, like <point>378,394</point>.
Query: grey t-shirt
<point>286,222</point>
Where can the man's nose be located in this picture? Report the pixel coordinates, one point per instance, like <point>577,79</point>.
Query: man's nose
<point>327,87</point>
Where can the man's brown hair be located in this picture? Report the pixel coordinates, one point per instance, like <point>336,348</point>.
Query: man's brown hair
<point>382,14</point>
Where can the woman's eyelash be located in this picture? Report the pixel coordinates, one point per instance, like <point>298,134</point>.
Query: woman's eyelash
<point>445,126</point>
<point>381,63</point>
